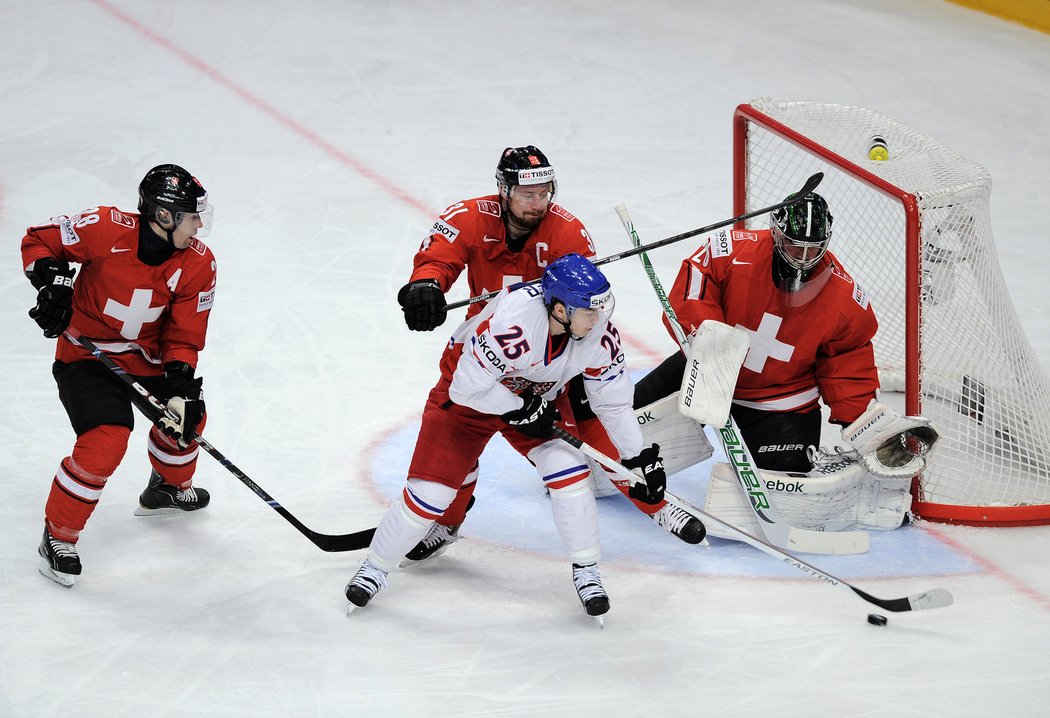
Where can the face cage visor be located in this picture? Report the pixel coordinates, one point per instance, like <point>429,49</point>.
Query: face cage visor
<point>797,254</point>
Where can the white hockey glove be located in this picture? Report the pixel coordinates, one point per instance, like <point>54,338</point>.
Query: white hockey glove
<point>891,445</point>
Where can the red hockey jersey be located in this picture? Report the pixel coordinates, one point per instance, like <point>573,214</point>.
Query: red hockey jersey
<point>142,316</point>
<point>815,343</point>
<point>471,234</point>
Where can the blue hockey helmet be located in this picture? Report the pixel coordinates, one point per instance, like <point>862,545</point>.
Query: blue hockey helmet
<point>574,281</point>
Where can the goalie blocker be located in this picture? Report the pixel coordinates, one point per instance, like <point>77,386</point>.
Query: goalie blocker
<point>863,485</point>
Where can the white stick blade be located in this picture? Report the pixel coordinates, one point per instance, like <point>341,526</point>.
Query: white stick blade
<point>936,598</point>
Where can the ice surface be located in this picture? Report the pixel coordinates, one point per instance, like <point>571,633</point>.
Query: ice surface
<point>329,135</point>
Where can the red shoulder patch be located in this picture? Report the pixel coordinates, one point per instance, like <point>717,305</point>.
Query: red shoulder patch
<point>561,212</point>
<point>120,218</point>
<point>487,206</point>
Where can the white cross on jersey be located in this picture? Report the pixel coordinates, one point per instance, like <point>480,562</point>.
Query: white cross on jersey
<point>508,280</point>
<point>134,315</point>
<point>765,345</point>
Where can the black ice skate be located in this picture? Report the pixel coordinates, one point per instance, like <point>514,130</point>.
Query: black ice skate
<point>435,543</point>
<point>160,498</point>
<point>59,560</point>
<point>680,523</point>
<point>592,594</point>
<point>365,584</point>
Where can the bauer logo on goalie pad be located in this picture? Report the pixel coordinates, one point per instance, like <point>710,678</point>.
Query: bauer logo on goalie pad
<point>690,383</point>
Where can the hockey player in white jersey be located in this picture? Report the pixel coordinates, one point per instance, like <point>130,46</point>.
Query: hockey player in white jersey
<point>505,370</point>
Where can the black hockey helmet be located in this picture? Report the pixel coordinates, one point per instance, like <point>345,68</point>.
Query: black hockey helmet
<point>801,232</point>
<point>524,166</point>
<point>168,193</point>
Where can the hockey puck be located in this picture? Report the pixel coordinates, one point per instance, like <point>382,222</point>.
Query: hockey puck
<point>877,620</point>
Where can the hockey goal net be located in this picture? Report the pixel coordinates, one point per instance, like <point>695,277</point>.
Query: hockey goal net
<point>915,232</point>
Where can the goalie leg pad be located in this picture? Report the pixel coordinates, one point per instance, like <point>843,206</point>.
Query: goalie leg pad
<point>682,441</point>
<point>837,496</point>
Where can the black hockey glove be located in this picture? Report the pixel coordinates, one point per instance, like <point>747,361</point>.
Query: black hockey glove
<point>424,305</point>
<point>185,398</point>
<point>53,280</point>
<point>650,467</point>
<point>536,418</point>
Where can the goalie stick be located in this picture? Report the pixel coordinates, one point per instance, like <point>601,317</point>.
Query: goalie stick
<point>776,530</point>
<point>934,598</point>
<point>152,409</point>
<point>809,186</point>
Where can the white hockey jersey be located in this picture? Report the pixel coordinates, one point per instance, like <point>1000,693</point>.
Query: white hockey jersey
<point>508,349</point>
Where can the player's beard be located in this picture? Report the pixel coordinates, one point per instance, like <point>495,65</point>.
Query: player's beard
<point>529,221</point>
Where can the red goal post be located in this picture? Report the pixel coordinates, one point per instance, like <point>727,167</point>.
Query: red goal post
<point>914,231</point>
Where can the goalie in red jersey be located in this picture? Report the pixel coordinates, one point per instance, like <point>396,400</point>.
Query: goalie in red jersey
<point>500,239</point>
<point>810,325</point>
<point>143,294</point>
<point>810,328</point>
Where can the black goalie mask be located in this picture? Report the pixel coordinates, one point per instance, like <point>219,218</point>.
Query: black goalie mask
<point>800,232</point>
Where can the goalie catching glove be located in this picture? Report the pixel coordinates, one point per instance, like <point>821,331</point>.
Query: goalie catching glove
<point>186,400</point>
<point>891,445</point>
<point>535,418</point>
<point>650,467</point>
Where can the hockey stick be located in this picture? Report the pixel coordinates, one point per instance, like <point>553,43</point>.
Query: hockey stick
<point>809,186</point>
<point>152,409</point>
<point>935,598</point>
<point>776,530</point>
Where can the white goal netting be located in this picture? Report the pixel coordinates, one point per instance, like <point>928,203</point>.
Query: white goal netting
<point>948,334</point>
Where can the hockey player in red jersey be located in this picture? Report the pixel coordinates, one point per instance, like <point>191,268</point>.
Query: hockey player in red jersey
<point>500,239</point>
<point>143,294</point>
<point>506,370</point>
<point>811,328</point>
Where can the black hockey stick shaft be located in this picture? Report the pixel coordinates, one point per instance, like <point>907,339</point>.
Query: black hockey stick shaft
<point>936,598</point>
<point>809,186</point>
<point>153,409</point>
